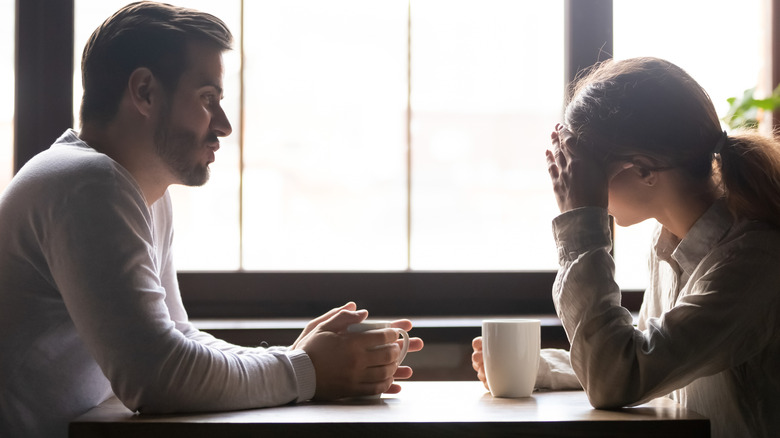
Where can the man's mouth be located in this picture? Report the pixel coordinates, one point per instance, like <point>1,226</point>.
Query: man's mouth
<point>213,148</point>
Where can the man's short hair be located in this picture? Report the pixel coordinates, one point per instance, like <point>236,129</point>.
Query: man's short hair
<point>143,34</point>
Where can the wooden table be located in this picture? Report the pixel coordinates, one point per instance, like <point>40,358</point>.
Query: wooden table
<point>422,409</point>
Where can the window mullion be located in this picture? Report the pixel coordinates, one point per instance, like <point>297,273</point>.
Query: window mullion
<point>44,75</point>
<point>587,35</point>
<point>241,164</point>
<point>588,39</point>
<point>409,137</point>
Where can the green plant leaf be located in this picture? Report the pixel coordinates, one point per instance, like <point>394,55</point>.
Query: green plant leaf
<point>744,111</point>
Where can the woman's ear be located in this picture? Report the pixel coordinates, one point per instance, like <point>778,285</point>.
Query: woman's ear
<point>142,87</point>
<point>645,169</point>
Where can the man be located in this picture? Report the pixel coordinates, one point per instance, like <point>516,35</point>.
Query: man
<point>89,303</point>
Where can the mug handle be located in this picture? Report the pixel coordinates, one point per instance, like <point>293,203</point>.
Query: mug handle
<point>405,348</point>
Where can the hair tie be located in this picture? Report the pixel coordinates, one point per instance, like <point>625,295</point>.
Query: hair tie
<point>721,142</point>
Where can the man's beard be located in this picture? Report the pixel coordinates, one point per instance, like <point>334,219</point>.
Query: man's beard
<point>177,149</point>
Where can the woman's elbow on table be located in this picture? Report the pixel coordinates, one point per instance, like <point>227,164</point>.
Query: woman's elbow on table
<point>605,401</point>
<point>617,393</point>
<point>610,390</point>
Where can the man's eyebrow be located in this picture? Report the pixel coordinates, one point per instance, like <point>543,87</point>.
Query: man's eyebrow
<point>215,86</point>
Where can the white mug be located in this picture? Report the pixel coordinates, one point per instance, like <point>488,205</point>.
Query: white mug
<point>370,324</point>
<point>510,351</point>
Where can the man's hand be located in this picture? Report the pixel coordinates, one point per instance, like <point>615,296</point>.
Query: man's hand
<point>350,306</point>
<point>353,364</point>
<point>477,362</point>
<point>415,344</point>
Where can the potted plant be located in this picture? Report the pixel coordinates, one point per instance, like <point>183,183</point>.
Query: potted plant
<point>747,112</point>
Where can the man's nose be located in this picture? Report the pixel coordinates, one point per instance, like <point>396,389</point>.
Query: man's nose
<point>220,124</point>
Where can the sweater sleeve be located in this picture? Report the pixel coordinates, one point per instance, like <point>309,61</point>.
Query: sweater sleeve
<point>104,259</point>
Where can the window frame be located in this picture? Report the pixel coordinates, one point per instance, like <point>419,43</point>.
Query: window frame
<point>43,88</point>
<point>303,294</point>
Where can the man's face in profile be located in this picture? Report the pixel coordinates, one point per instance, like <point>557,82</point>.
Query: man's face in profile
<point>188,130</point>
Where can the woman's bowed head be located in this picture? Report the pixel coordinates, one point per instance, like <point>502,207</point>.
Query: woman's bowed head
<point>642,138</point>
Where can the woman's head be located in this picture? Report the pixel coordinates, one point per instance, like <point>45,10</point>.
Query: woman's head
<point>644,107</point>
<point>651,113</point>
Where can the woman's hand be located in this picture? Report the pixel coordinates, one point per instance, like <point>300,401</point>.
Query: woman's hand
<point>579,180</point>
<point>477,362</point>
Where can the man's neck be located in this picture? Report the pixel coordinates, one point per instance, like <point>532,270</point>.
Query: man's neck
<point>133,152</point>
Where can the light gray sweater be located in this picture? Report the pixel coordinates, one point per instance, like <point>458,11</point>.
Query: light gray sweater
<point>90,305</point>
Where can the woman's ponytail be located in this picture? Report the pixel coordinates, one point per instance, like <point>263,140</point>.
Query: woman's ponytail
<point>748,170</point>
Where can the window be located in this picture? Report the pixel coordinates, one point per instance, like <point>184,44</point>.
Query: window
<point>330,119</point>
<point>345,168</point>
<point>7,107</point>
<point>487,86</point>
<point>411,135</point>
<point>325,135</point>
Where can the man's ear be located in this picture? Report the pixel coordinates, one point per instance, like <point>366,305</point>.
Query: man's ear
<point>143,88</point>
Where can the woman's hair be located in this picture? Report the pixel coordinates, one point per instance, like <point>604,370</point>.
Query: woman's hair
<point>143,34</point>
<point>651,107</point>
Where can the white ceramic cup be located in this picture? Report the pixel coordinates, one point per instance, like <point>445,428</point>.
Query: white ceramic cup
<point>373,324</point>
<point>510,351</point>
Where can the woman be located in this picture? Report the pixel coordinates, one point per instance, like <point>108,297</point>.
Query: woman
<point>642,140</point>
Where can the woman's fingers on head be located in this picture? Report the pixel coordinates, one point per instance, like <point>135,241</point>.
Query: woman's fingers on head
<point>559,153</point>
<point>552,167</point>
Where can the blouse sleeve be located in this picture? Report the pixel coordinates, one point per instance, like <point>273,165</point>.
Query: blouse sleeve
<point>555,371</point>
<point>712,327</point>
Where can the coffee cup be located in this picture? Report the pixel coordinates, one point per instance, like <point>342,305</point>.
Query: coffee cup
<point>510,351</point>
